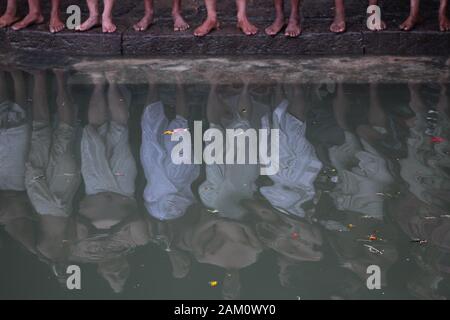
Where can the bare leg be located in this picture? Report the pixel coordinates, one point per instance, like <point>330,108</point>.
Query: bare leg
<point>243,22</point>
<point>180,102</point>
<point>278,23</point>
<point>152,93</point>
<point>10,14</point>
<point>116,102</point>
<point>443,104</point>
<point>339,24</point>
<point>34,16</point>
<point>382,23</point>
<point>56,25</point>
<point>147,20</point>
<point>179,24</point>
<point>211,22</point>
<point>20,93</point>
<point>414,17</point>
<point>444,22</point>
<point>377,117</point>
<point>66,110</point>
<point>415,103</point>
<point>340,107</point>
<point>293,29</point>
<point>98,111</point>
<point>215,110</point>
<point>40,100</point>
<point>297,107</point>
<point>107,24</point>
<point>94,17</point>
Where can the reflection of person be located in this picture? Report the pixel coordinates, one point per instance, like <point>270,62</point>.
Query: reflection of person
<point>363,175</point>
<point>107,164</point>
<point>429,230</point>
<point>168,192</point>
<point>298,163</point>
<point>107,247</point>
<point>52,172</point>
<point>221,242</point>
<point>231,107</point>
<point>293,240</point>
<point>14,133</point>
<point>425,168</point>
<point>296,240</point>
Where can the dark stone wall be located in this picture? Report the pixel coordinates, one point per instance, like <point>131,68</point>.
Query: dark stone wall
<point>160,39</point>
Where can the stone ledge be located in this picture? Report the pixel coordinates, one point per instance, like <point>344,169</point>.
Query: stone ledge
<point>160,40</point>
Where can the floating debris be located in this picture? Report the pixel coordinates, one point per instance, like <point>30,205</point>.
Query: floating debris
<point>213,284</point>
<point>171,132</point>
<point>213,211</point>
<point>373,249</point>
<point>437,139</point>
<point>419,241</point>
<point>295,235</point>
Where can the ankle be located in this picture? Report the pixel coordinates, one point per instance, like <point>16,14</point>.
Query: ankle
<point>211,18</point>
<point>93,16</point>
<point>106,17</point>
<point>35,13</point>
<point>11,12</point>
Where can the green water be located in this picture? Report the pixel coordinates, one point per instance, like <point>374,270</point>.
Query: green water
<point>364,180</point>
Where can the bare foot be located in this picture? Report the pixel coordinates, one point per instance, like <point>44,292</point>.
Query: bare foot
<point>275,27</point>
<point>338,25</point>
<point>30,19</point>
<point>179,24</point>
<point>246,27</point>
<point>207,26</point>
<point>382,26</point>
<point>293,29</point>
<point>56,25</point>
<point>107,25</point>
<point>444,23</point>
<point>410,23</point>
<point>144,23</point>
<point>7,19</point>
<point>91,22</point>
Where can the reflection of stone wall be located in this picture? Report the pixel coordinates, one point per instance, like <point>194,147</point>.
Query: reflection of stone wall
<point>257,8</point>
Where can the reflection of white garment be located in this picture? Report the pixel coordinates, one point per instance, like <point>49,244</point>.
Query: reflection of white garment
<point>168,192</point>
<point>361,178</point>
<point>227,184</point>
<point>52,174</point>
<point>298,167</point>
<point>14,141</point>
<point>107,163</point>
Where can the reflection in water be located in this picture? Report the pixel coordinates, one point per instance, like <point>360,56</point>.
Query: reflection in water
<point>87,178</point>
